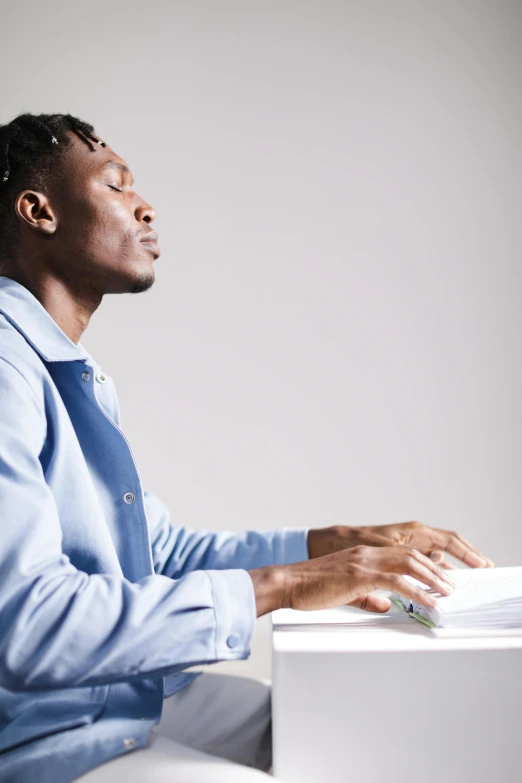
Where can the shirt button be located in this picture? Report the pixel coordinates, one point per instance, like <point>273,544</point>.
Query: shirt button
<point>86,376</point>
<point>233,640</point>
<point>129,497</point>
<point>101,378</point>
<point>129,742</point>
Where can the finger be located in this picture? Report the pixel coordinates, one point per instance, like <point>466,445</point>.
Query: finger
<point>443,563</point>
<point>372,603</point>
<point>489,563</point>
<point>462,552</point>
<point>434,567</point>
<point>425,573</point>
<point>397,584</point>
<point>453,543</point>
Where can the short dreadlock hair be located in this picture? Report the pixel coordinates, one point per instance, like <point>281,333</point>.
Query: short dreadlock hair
<point>31,147</point>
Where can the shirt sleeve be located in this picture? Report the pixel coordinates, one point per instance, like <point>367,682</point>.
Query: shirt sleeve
<point>178,551</point>
<point>62,627</point>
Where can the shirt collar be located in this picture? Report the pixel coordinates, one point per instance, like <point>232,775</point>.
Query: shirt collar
<point>31,318</point>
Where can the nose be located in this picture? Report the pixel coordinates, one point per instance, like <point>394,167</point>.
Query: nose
<point>145,213</point>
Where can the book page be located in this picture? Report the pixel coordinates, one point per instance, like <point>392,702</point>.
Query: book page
<point>476,588</point>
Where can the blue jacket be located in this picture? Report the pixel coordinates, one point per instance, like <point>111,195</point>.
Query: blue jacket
<point>103,603</point>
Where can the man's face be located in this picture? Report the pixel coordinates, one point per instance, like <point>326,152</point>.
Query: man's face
<point>102,223</point>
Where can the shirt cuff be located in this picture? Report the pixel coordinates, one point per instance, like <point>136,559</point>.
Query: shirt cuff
<point>235,612</point>
<point>291,545</point>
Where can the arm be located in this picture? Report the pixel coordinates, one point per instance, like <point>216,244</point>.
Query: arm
<point>62,627</point>
<point>178,551</point>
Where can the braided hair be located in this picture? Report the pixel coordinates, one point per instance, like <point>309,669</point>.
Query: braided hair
<point>31,147</point>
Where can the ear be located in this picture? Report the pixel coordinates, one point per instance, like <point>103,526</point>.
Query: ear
<point>36,212</point>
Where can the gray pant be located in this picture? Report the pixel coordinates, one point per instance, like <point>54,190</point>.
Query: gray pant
<point>216,730</point>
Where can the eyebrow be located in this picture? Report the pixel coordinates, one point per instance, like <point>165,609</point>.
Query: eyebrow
<point>117,165</point>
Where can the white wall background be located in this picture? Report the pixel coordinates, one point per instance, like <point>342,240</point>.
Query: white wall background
<point>334,332</point>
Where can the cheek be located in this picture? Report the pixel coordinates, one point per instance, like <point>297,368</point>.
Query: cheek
<point>106,228</point>
<point>113,216</point>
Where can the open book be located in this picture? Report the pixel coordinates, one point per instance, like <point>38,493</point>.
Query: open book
<point>482,598</point>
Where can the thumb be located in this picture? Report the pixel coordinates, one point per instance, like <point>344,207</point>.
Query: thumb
<point>372,603</point>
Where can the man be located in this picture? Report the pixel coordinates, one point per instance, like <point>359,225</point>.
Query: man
<point>103,603</point>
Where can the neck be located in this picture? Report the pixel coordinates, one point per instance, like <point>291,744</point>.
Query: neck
<point>69,305</point>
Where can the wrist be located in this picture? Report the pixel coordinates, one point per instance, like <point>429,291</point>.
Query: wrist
<point>325,540</point>
<point>269,588</point>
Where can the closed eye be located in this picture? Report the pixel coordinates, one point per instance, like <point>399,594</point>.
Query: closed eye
<point>112,187</point>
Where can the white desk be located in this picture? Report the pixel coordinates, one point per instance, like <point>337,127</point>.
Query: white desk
<point>381,700</point>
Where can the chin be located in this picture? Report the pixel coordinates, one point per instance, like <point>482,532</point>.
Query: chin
<point>142,282</point>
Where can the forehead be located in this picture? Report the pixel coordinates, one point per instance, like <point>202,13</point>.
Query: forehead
<point>89,159</point>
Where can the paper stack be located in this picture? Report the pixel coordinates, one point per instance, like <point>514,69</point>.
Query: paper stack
<point>483,598</point>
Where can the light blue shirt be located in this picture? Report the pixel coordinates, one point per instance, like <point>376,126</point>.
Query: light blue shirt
<point>103,603</point>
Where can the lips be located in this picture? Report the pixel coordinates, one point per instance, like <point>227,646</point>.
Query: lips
<point>150,241</point>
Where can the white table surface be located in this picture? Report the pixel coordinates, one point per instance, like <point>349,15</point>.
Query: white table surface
<point>347,629</point>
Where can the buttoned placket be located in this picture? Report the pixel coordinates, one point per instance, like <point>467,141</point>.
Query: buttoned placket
<point>129,497</point>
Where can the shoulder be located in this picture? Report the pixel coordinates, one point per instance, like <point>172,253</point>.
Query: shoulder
<point>22,372</point>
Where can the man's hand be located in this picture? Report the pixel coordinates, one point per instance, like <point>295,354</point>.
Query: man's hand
<point>349,577</point>
<point>432,542</point>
